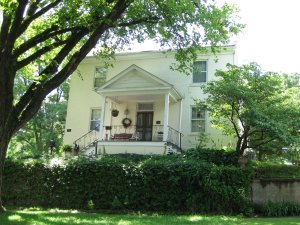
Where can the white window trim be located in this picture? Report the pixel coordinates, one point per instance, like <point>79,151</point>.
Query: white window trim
<point>199,83</point>
<point>94,78</point>
<point>191,118</point>
<point>145,110</point>
<point>90,118</point>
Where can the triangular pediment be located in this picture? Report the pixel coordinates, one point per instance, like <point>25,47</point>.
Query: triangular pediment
<point>134,77</point>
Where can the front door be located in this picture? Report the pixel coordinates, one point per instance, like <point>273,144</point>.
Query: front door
<point>144,126</point>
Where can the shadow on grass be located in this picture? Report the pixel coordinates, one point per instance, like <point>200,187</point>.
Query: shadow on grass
<point>15,217</point>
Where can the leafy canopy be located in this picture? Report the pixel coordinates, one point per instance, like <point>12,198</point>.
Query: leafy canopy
<point>257,107</point>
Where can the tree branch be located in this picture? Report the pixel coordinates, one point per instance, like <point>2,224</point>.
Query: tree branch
<point>35,88</point>
<point>254,131</point>
<point>38,54</point>
<point>116,12</point>
<point>263,143</point>
<point>38,14</point>
<point>46,34</point>
<point>18,17</point>
<point>30,102</point>
<point>239,117</point>
<point>4,32</point>
<point>152,20</point>
<point>33,6</point>
<point>232,120</point>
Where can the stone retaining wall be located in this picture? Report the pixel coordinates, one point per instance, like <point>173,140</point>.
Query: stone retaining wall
<point>275,190</point>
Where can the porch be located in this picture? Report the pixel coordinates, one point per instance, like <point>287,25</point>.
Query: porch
<point>119,139</point>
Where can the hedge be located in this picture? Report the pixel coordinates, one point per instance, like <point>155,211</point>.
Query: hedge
<point>163,183</point>
<point>216,156</point>
<point>272,170</point>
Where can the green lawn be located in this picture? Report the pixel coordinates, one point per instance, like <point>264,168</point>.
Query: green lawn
<point>59,217</point>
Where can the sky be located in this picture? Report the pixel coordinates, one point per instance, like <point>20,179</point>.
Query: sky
<point>272,34</point>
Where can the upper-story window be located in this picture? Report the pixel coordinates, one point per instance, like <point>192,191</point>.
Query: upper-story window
<point>197,120</point>
<point>200,72</point>
<point>100,76</point>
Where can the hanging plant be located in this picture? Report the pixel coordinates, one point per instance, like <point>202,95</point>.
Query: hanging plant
<point>114,112</point>
<point>126,122</point>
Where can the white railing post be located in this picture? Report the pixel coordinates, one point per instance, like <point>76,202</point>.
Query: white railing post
<point>180,123</point>
<point>166,117</point>
<point>101,128</point>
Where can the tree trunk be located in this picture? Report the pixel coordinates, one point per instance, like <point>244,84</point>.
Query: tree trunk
<point>3,150</point>
<point>239,145</point>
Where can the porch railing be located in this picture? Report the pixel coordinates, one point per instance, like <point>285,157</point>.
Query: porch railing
<point>175,137</point>
<point>131,133</point>
<point>87,140</point>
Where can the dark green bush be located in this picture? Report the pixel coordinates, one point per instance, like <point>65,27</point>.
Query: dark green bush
<point>164,183</point>
<point>216,156</point>
<point>271,170</point>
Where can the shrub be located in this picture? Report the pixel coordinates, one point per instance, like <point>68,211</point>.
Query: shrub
<point>158,183</point>
<point>271,170</point>
<point>66,148</point>
<point>218,157</point>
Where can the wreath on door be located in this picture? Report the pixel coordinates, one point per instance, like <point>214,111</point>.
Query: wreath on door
<point>126,122</point>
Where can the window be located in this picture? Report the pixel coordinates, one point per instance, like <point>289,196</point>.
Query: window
<point>197,120</point>
<point>200,72</point>
<point>95,119</point>
<point>100,76</point>
<point>145,106</point>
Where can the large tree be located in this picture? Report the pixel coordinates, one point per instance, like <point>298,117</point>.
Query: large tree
<point>260,108</point>
<point>55,35</point>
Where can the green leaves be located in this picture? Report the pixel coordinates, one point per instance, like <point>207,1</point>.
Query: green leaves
<point>140,183</point>
<point>255,106</point>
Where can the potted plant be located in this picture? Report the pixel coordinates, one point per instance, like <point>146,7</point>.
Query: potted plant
<point>114,112</point>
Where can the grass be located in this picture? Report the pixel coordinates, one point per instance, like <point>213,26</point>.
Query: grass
<point>60,217</point>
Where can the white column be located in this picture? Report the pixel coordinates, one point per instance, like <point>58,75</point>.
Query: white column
<point>180,116</point>
<point>102,118</point>
<point>180,125</point>
<point>166,117</point>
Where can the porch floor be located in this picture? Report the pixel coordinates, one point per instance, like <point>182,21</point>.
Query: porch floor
<point>132,147</point>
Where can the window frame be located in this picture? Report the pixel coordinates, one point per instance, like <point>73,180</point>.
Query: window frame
<point>145,110</point>
<point>206,71</point>
<point>102,78</point>
<point>197,119</point>
<point>93,120</point>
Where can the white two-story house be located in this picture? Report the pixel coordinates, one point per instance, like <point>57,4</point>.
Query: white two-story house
<point>155,105</point>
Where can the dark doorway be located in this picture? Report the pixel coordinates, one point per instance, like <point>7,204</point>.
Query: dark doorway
<point>144,125</point>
